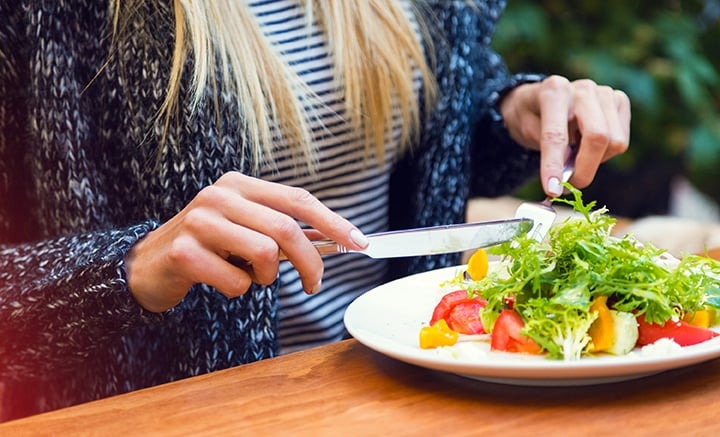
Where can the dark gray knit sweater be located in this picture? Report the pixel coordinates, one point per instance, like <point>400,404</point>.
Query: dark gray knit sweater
<point>82,179</point>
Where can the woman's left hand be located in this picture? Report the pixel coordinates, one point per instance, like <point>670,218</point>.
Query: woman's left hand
<point>550,115</point>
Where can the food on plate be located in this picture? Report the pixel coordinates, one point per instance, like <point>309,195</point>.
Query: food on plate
<point>477,266</point>
<point>459,311</point>
<point>580,292</point>
<point>438,334</point>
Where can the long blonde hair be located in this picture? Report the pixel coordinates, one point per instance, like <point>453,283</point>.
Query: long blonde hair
<point>375,50</point>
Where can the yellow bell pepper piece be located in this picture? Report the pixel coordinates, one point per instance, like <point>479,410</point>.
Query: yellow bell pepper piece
<point>702,318</point>
<point>478,265</point>
<point>602,330</point>
<point>436,335</point>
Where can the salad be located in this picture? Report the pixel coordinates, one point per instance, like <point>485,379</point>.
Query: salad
<point>580,292</point>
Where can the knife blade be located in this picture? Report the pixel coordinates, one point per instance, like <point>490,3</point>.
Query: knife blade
<point>433,240</point>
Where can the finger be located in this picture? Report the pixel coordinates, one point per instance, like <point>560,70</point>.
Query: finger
<point>554,103</point>
<point>618,128</point>
<point>300,204</point>
<point>290,238</point>
<point>261,233</point>
<point>243,247</point>
<point>622,103</point>
<point>201,265</point>
<point>592,122</point>
<point>226,224</point>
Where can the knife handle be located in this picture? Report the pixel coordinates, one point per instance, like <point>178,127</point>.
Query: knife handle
<point>324,247</point>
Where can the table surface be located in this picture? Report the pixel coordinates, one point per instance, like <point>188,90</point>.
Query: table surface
<point>346,387</point>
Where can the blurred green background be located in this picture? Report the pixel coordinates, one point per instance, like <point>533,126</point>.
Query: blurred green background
<point>665,55</point>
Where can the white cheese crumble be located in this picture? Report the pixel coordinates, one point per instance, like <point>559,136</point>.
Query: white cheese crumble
<point>660,348</point>
<point>471,351</point>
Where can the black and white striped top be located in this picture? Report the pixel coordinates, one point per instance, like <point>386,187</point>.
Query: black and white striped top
<point>347,182</point>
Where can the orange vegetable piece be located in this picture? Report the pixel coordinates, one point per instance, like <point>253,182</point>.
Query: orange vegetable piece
<point>436,335</point>
<point>478,265</point>
<point>602,330</point>
<point>701,318</point>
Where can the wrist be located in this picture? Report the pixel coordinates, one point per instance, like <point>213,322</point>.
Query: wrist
<point>495,103</point>
<point>143,283</point>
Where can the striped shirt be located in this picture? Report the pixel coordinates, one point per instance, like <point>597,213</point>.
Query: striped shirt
<point>348,183</point>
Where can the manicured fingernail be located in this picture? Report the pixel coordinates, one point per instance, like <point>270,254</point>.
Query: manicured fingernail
<point>359,238</point>
<point>554,186</point>
<point>316,288</point>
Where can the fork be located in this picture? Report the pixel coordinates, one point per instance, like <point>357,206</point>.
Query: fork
<point>542,213</point>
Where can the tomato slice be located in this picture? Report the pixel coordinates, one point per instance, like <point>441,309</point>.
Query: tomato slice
<point>448,302</point>
<point>465,318</point>
<point>506,334</point>
<point>680,332</point>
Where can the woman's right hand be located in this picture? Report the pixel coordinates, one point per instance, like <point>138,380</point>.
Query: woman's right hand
<point>239,217</point>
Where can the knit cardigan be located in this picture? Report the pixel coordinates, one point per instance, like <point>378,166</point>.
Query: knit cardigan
<point>83,176</point>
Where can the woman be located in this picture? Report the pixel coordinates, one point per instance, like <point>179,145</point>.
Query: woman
<point>156,156</point>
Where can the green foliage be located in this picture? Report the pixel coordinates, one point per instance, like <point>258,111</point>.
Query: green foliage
<point>664,54</point>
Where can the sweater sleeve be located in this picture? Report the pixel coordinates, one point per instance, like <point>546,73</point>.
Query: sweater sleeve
<point>62,298</point>
<point>498,164</point>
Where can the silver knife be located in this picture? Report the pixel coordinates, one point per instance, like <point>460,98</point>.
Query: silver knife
<point>433,240</point>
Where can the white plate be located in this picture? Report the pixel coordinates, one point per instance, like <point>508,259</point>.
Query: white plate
<point>388,319</point>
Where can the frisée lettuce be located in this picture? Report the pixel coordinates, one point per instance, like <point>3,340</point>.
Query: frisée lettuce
<point>552,284</point>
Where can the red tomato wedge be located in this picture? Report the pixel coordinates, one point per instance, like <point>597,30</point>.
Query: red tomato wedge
<point>449,301</point>
<point>680,332</point>
<point>465,318</point>
<point>506,334</point>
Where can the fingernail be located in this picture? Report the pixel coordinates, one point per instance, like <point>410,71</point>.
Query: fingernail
<point>554,186</point>
<point>316,288</point>
<point>359,238</point>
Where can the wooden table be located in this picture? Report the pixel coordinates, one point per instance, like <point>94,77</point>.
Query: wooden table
<point>348,389</point>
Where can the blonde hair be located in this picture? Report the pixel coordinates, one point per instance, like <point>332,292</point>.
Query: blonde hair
<point>375,50</point>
